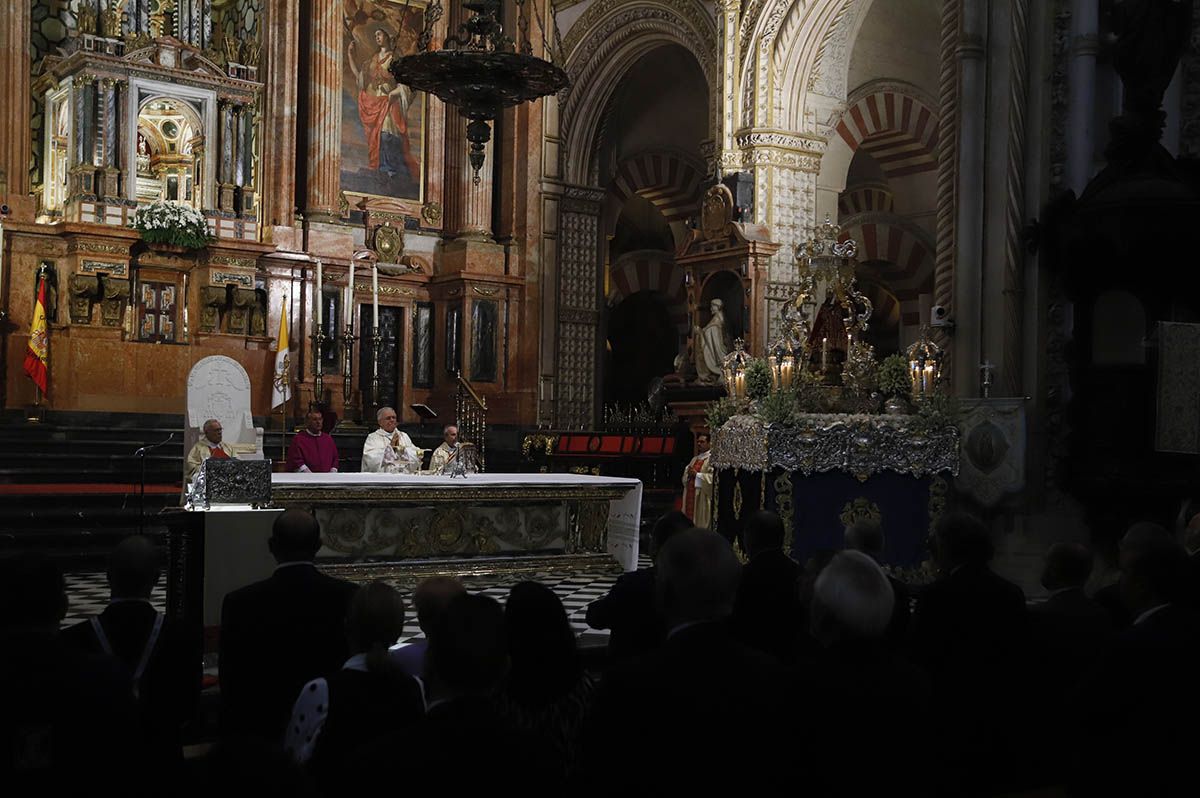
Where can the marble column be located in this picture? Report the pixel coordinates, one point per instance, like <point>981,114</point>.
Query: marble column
<point>730,12</point>
<point>277,171</point>
<point>110,173</point>
<point>969,223</point>
<point>324,120</point>
<point>1081,80</point>
<point>15,138</point>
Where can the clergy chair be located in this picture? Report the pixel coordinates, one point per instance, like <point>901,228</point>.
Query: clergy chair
<point>218,387</point>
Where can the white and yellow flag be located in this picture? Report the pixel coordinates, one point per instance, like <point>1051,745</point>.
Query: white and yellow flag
<point>283,365</point>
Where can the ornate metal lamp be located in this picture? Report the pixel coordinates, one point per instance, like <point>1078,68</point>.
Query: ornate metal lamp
<point>479,70</point>
<point>734,368</point>
<point>924,365</point>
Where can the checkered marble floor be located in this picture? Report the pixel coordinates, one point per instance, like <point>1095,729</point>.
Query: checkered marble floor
<point>88,595</point>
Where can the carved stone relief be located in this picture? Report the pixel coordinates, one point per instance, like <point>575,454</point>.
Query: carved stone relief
<point>84,291</point>
<point>115,301</point>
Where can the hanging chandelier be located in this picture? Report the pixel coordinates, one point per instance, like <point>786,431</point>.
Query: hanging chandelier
<point>479,70</point>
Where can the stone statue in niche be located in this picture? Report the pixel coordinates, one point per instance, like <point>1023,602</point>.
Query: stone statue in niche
<point>712,345</point>
<point>84,291</point>
<point>115,301</point>
<point>213,302</point>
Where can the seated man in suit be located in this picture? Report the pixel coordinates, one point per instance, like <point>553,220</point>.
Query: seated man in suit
<point>866,535</point>
<point>162,669</point>
<point>1138,708</point>
<point>969,631</point>
<point>279,633</point>
<point>628,609</point>
<point>69,722</point>
<point>856,672</point>
<point>766,614</point>
<point>431,598</point>
<point>703,699</point>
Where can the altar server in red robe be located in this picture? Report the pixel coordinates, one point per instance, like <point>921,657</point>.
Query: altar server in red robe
<point>313,450</point>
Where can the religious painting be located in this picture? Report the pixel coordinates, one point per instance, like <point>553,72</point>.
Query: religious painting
<point>383,123</point>
<point>423,345</point>
<point>484,318</point>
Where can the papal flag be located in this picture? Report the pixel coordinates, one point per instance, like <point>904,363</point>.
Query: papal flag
<point>283,365</point>
<point>35,355</point>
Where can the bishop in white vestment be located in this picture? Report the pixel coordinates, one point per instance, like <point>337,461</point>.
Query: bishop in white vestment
<point>387,450</point>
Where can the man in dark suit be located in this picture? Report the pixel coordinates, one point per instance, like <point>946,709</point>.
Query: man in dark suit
<point>970,634</point>
<point>69,721</point>
<point>866,536</point>
<point>279,633</point>
<point>1136,539</point>
<point>466,661</point>
<point>1138,708</point>
<point>700,703</point>
<point>856,673</point>
<point>153,651</point>
<point>628,609</point>
<point>766,613</point>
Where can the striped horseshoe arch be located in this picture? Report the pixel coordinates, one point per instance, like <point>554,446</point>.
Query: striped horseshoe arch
<point>650,270</point>
<point>904,256</point>
<point>898,130</point>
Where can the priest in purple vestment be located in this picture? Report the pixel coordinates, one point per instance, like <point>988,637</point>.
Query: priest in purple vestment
<point>312,450</point>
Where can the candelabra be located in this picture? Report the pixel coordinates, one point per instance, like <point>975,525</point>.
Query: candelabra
<point>348,361</point>
<point>318,338</point>
<point>376,344</point>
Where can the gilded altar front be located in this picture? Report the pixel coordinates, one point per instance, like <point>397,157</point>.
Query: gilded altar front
<point>495,522</point>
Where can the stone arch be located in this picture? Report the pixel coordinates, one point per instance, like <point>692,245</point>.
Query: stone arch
<point>650,270</point>
<point>895,123</point>
<point>606,41</point>
<point>907,250</point>
<point>671,181</point>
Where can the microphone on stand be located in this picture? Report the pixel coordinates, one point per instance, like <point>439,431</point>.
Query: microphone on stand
<point>142,451</point>
<point>141,455</point>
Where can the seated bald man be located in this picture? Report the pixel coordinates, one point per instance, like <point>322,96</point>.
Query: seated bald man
<point>387,450</point>
<point>209,445</point>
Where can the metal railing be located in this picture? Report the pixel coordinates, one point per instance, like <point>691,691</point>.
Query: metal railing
<point>470,411</point>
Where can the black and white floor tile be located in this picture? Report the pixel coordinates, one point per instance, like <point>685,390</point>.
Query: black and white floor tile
<point>88,595</point>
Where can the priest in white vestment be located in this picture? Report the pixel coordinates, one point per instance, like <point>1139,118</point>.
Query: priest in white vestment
<point>443,454</point>
<point>387,450</point>
<point>209,445</point>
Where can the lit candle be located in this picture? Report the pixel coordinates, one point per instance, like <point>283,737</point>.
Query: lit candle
<point>348,312</point>
<point>739,385</point>
<point>319,298</point>
<point>375,297</point>
<point>824,353</point>
<point>785,372</point>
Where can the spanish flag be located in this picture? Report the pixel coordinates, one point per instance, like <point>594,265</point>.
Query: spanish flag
<point>282,382</point>
<point>35,355</point>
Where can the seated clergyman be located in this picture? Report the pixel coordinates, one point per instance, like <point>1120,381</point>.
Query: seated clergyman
<point>387,450</point>
<point>209,445</point>
<point>444,454</point>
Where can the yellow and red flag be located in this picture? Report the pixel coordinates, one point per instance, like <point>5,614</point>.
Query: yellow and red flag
<point>36,354</point>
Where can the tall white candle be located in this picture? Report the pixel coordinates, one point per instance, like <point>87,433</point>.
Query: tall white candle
<point>318,295</point>
<point>375,295</point>
<point>348,312</point>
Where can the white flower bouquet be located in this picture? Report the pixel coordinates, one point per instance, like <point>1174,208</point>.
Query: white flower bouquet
<point>163,222</point>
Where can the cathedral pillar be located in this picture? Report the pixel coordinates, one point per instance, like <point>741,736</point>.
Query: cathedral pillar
<point>277,182</point>
<point>324,121</point>
<point>15,139</point>
<point>947,174</point>
<point>968,277</point>
<point>579,297</point>
<point>1085,44</point>
<point>730,11</point>
<point>108,185</point>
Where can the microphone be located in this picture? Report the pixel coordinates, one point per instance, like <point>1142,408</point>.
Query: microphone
<point>142,451</point>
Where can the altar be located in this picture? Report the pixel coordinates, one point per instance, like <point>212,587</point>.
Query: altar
<point>404,528</point>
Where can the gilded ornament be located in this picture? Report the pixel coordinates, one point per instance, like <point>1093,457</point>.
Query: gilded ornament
<point>860,509</point>
<point>431,212</point>
<point>389,243</point>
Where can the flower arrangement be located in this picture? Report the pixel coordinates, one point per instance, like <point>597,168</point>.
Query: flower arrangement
<point>164,222</point>
<point>893,376</point>
<point>720,411</point>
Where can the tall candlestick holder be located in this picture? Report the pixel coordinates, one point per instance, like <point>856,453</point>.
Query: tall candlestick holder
<point>318,339</point>
<point>348,339</point>
<point>376,345</point>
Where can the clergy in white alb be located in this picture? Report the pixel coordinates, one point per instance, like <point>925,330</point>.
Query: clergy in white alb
<point>209,445</point>
<point>446,452</point>
<point>387,450</point>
